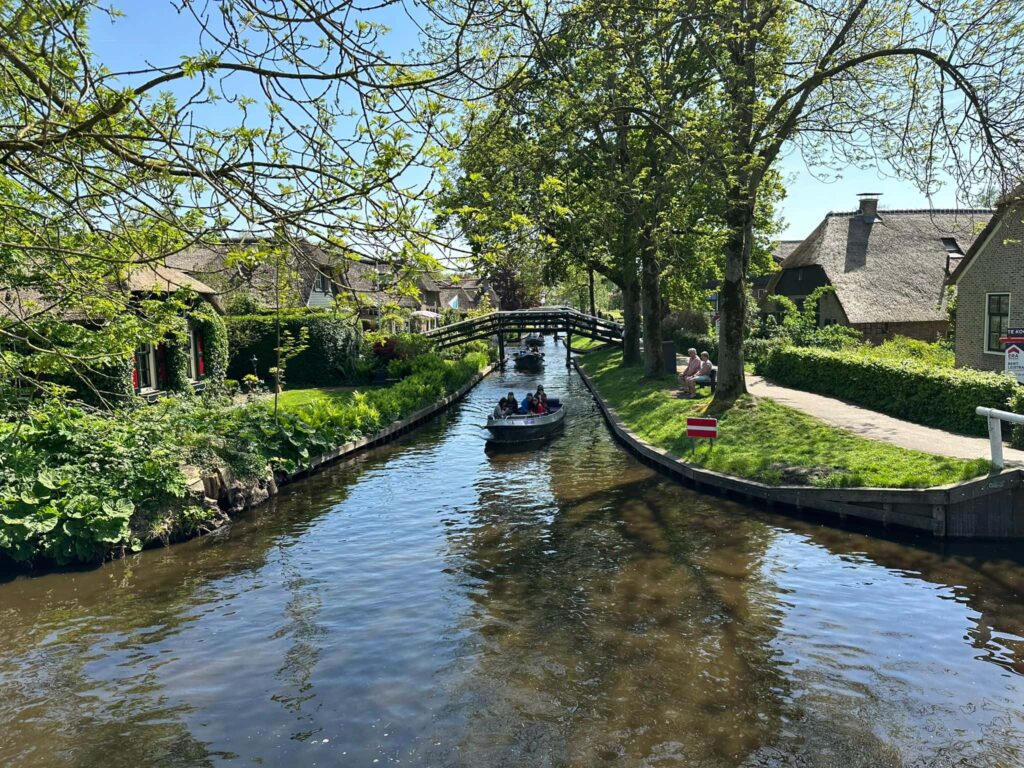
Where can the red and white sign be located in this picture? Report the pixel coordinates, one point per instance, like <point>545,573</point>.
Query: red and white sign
<point>700,427</point>
<point>1015,361</point>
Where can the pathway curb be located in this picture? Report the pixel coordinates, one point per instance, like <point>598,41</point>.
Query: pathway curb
<point>988,507</point>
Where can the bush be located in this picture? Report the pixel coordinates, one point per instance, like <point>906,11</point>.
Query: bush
<point>331,358</point>
<point>77,486</point>
<point>909,389</point>
<point>684,341</point>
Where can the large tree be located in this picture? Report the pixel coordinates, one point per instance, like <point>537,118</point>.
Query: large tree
<point>922,89</point>
<point>282,119</point>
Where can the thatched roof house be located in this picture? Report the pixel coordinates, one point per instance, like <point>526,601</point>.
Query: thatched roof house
<point>889,268</point>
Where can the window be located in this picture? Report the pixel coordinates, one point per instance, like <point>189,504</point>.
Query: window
<point>322,285</point>
<point>144,375</point>
<point>952,246</point>
<point>997,320</point>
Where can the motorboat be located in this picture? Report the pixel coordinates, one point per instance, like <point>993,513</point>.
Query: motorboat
<point>527,428</point>
<point>534,340</point>
<point>528,360</point>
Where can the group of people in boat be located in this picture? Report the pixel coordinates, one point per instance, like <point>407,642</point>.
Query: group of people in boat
<point>535,403</point>
<point>698,371</point>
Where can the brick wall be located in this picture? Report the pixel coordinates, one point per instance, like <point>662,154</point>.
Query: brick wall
<point>997,268</point>
<point>876,333</point>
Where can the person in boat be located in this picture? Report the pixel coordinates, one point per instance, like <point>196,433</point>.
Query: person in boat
<point>540,391</point>
<point>540,407</point>
<point>527,405</point>
<point>500,410</point>
<point>511,404</point>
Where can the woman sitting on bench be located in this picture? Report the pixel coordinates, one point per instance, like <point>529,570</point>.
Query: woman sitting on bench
<point>702,377</point>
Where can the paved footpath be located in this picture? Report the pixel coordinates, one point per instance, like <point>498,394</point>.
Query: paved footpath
<point>878,426</point>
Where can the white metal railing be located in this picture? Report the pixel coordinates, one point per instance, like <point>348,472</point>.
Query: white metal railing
<point>995,430</point>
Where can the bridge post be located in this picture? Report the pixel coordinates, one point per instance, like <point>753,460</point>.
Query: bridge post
<point>501,349</point>
<point>568,349</point>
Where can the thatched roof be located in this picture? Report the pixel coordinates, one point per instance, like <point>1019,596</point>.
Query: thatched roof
<point>162,279</point>
<point>893,269</point>
<point>783,248</point>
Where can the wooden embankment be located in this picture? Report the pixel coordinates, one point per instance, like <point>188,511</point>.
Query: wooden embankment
<point>988,507</point>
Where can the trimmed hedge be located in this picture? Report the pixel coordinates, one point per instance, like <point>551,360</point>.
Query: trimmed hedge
<point>924,394</point>
<point>330,359</point>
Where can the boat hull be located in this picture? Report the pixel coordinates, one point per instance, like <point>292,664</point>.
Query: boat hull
<point>525,429</point>
<point>529,362</point>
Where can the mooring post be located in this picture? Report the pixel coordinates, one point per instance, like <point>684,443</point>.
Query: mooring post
<point>568,349</point>
<point>995,430</point>
<point>501,349</point>
<point>995,439</point>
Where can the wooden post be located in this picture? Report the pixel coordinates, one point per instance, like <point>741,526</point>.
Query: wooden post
<point>568,349</point>
<point>501,349</point>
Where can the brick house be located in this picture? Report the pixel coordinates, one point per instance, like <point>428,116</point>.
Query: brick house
<point>889,268</point>
<point>990,287</point>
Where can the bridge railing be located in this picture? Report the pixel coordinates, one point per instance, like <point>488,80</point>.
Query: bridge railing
<point>555,319</point>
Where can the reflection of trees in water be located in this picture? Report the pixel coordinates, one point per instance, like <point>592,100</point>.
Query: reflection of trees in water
<point>611,630</point>
<point>82,677</point>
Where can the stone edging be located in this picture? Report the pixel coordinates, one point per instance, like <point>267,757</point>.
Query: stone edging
<point>988,507</point>
<point>221,490</point>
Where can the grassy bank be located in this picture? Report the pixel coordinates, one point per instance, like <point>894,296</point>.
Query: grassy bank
<point>583,344</point>
<point>764,441</point>
<point>79,486</point>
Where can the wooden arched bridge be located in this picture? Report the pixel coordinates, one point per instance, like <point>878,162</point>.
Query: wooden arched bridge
<point>563,320</point>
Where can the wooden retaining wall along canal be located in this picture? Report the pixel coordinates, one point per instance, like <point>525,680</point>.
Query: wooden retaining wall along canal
<point>988,507</point>
<point>221,489</point>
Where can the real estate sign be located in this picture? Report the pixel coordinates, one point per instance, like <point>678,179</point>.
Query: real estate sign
<point>1015,361</point>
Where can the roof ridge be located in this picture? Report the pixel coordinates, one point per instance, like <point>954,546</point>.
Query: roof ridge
<point>915,210</point>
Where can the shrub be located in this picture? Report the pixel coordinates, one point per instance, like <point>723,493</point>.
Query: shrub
<point>909,389</point>
<point>332,355</point>
<point>77,486</point>
<point>684,341</point>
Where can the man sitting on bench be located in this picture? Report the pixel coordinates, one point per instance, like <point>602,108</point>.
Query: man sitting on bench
<point>702,377</point>
<point>692,367</point>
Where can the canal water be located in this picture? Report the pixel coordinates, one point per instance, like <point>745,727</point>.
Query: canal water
<point>430,603</point>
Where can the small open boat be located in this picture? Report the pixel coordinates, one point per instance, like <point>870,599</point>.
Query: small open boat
<point>525,360</point>
<point>534,340</point>
<point>529,427</point>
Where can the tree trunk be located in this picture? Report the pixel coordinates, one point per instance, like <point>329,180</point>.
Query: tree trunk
<point>630,314</point>
<point>650,297</point>
<point>593,308</point>
<point>732,305</point>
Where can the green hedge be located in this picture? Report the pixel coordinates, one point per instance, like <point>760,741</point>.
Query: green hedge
<point>911,390</point>
<point>331,358</point>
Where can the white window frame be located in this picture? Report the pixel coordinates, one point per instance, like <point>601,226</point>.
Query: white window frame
<point>153,369</point>
<point>984,340</point>
<point>321,284</point>
<point>193,355</point>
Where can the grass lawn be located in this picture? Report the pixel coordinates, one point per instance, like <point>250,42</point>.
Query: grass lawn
<point>293,398</point>
<point>584,344</point>
<point>764,441</point>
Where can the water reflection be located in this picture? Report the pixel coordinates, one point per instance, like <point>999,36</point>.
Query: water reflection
<point>435,604</point>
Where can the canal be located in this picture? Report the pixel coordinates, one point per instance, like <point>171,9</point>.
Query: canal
<point>429,603</point>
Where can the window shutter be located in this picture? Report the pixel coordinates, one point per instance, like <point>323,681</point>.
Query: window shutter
<point>199,350</point>
<point>161,366</point>
<point>135,374</point>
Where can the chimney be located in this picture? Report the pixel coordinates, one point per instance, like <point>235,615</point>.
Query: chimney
<point>868,206</point>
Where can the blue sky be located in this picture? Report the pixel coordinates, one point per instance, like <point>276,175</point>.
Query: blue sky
<point>152,31</point>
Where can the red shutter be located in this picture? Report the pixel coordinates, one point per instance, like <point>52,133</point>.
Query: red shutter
<point>199,348</point>
<point>161,366</point>
<point>135,373</point>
